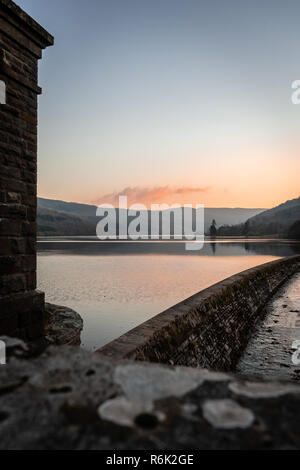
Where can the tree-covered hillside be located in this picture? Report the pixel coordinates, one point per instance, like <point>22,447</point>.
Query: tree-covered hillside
<point>276,222</point>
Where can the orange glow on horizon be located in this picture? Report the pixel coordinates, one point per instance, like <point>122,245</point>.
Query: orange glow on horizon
<point>250,178</point>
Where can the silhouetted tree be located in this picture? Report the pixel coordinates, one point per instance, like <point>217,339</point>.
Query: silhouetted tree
<point>246,228</point>
<point>213,229</point>
<point>294,231</point>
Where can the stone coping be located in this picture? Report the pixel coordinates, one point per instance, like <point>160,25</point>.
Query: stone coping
<point>27,24</point>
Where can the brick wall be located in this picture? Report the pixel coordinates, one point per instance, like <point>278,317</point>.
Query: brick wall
<point>210,329</point>
<point>21,44</point>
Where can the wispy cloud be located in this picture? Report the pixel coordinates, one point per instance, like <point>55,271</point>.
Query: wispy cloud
<point>155,195</point>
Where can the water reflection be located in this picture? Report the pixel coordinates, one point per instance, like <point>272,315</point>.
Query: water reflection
<point>93,246</point>
<point>213,247</point>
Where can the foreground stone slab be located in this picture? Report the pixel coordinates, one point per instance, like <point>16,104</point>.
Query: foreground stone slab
<point>70,399</point>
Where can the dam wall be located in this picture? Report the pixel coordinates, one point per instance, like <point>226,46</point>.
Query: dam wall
<point>210,329</point>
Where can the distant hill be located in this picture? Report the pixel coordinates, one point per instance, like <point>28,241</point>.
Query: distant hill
<point>85,210</point>
<point>56,223</point>
<point>228,216</point>
<point>285,214</point>
<point>58,218</point>
<point>276,221</point>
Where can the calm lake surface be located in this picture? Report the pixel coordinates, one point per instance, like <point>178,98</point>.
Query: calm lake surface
<point>116,286</point>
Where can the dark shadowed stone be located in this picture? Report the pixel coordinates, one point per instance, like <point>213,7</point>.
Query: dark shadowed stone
<point>63,325</point>
<point>15,347</point>
<point>53,402</point>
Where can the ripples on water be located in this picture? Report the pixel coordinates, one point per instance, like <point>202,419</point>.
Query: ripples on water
<point>116,286</point>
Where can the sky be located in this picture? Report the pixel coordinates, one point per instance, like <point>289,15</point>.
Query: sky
<point>175,101</point>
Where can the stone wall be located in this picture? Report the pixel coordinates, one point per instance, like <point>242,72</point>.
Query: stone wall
<point>210,329</point>
<point>21,44</point>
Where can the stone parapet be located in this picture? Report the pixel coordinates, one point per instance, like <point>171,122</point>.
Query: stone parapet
<point>210,329</point>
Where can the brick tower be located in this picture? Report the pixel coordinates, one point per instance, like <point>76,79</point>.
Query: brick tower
<point>21,43</point>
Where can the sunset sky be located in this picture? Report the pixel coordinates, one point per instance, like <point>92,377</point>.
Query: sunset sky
<point>169,101</point>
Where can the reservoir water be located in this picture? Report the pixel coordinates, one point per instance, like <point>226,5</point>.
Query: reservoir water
<point>116,286</point>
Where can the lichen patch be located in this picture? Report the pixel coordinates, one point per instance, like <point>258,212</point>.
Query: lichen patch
<point>122,411</point>
<point>262,389</point>
<point>142,382</point>
<point>227,414</point>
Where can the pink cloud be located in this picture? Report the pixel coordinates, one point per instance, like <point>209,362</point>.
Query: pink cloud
<point>155,195</point>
